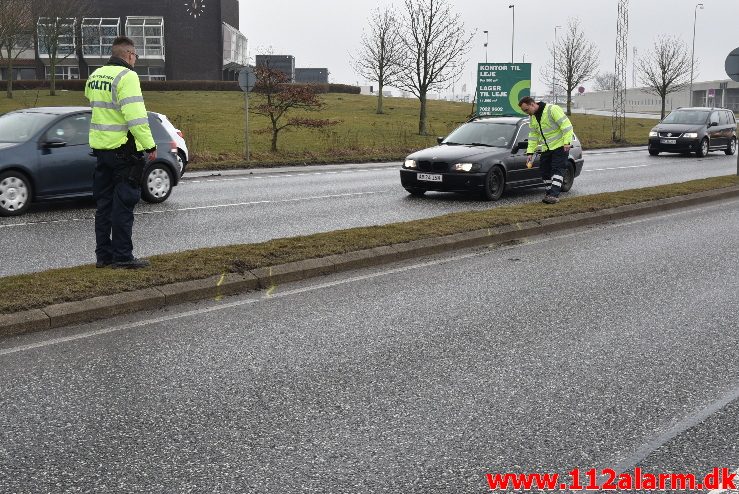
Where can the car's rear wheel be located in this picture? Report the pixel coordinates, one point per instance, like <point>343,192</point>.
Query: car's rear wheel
<point>569,177</point>
<point>732,147</point>
<point>157,184</point>
<point>181,159</point>
<point>15,193</point>
<point>653,152</point>
<point>494,184</point>
<point>703,148</point>
<point>415,191</point>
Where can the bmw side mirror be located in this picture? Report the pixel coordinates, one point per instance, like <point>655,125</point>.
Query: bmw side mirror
<point>713,124</point>
<point>522,145</point>
<point>439,140</point>
<point>55,142</point>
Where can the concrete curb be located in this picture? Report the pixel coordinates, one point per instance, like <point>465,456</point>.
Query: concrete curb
<point>68,313</point>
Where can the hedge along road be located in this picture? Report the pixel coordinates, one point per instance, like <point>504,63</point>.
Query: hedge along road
<point>207,211</point>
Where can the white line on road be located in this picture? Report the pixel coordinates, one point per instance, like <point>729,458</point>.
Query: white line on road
<point>614,168</point>
<point>212,206</point>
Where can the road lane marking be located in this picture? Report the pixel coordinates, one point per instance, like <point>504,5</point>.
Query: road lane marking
<point>212,206</point>
<point>613,168</point>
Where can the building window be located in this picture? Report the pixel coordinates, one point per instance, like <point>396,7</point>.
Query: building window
<point>65,72</point>
<point>151,73</point>
<point>56,32</point>
<point>235,53</point>
<point>98,35</point>
<point>147,34</point>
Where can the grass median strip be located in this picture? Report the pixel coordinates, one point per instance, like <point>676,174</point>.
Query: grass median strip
<point>36,290</point>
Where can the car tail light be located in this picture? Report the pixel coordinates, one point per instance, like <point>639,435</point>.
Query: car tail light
<point>179,133</point>
<point>173,147</point>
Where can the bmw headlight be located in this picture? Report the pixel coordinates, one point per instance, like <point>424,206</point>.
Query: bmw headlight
<point>652,133</point>
<point>409,164</point>
<point>465,167</point>
<point>691,135</point>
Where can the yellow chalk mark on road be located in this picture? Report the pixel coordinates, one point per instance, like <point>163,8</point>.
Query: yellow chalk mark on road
<point>219,296</point>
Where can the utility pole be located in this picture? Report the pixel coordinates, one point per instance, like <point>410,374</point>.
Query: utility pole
<point>618,120</point>
<point>633,69</point>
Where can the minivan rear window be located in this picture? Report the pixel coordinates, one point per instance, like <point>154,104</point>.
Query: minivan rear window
<point>696,117</point>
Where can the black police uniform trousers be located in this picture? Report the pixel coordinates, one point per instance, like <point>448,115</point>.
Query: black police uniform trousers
<point>116,196</point>
<point>553,165</point>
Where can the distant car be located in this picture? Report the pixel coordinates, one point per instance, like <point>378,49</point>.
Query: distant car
<point>183,155</point>
<point>485,155</point>
<point>698,130</point>
<point>45,155</point>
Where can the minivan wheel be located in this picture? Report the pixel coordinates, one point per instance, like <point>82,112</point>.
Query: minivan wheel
<point>494,184</point>
<point>15,193</point>
<point>569,178</point>
<point>732,147</point>
<point>703,149</point>
<point>157,184</point>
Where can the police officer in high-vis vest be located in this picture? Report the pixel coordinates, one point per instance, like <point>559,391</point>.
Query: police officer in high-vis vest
<point>119,136</point>
<point>551,129</point>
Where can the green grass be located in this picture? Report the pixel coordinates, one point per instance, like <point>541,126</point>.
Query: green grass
<point>37,290</point>
<point>213,123</point>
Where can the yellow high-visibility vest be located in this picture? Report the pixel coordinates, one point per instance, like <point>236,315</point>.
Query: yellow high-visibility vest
<point>117,108</point>
<point>554,132</point>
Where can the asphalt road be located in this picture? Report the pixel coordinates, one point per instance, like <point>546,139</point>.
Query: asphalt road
<point>210,211</point>
<point>613,346</point>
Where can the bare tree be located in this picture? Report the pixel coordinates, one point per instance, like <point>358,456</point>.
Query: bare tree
<point>606,81</point>
<point>663,70</point>
<point>280,97</point>
<point>58,31</point>
<point>435,44</point>
<point>380,56</point>
<point>573,60</point>
<point>16,28</point>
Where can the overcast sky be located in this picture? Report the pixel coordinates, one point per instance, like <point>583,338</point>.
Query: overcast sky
<point>323,33</point>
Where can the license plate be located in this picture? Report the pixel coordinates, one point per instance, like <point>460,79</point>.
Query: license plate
<point>668,141</point>
<point>426,177</point>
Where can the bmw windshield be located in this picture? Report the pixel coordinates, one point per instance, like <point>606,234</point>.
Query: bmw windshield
<point>689,117</point>
<point>482,134</point>
<point>19,127</point>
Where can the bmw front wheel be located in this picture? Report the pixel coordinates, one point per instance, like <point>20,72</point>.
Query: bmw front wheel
<point>494,184</point>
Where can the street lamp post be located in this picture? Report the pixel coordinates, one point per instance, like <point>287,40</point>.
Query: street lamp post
<point>692,54</point>
<point>554,65</point>
<point>487,38</point>
<point>513,31</point>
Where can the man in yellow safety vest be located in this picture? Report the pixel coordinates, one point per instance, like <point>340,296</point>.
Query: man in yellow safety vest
<point>551,129</point>
<point>119,134</point>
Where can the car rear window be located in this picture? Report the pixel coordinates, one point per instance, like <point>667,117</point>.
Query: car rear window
<point>696,117</point>
<point>22,126</point>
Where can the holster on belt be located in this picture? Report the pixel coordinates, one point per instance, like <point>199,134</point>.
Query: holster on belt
<point>135,161</point>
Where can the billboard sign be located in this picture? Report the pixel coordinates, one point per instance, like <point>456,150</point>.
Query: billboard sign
<point>500,86</point>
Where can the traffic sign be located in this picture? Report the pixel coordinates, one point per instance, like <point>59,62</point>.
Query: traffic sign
<point>711,93</point>
<point>732,65</point>
<point>247,79</point>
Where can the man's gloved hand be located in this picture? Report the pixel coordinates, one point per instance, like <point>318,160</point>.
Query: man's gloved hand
<point>151,156</point>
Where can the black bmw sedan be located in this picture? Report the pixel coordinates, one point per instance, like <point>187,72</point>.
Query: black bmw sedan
<point>485,155</point>
<point>45,155</point>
